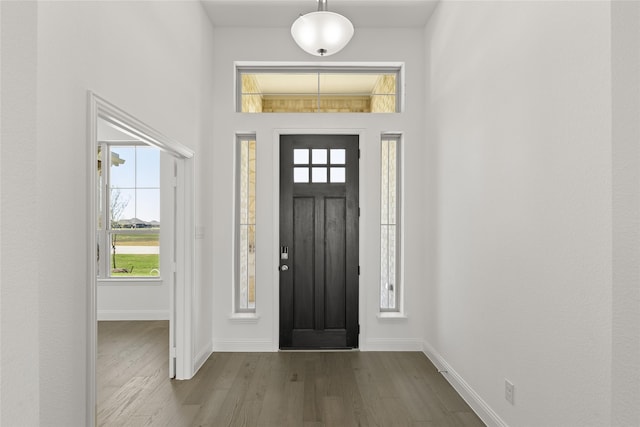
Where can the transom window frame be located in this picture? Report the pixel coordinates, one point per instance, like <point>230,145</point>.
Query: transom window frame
<point>397,68</point>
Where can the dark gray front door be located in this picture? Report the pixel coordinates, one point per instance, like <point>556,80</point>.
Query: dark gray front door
<point>319,241</point>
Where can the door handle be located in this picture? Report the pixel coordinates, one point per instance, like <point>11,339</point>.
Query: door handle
<point>285,267</point>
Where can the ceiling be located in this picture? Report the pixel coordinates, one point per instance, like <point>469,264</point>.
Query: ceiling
<point>282,13</point>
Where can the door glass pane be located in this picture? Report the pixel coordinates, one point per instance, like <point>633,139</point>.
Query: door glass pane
<point>384,184</point>
<point>300,175</point>
<point>384,266</point>
<point>251,178</point>
<point>392,181</point>
<point>319,175</point>
<point>319,156</point>
<point>243,281</point>
<point>338,175</point>
<point>338,156</point>
<point>392,266</point>
<point>301,156</point>
<point>244,181</point>
<point>251,285</point>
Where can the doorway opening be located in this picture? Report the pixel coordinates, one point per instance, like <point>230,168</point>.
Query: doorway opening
<point>319,217</point>
<point>146,207</point>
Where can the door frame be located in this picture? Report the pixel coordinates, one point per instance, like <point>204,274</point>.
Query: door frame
<point>361,133</point>
<point>181,299</point>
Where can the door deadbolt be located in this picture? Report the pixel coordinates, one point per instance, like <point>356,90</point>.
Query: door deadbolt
<point>284,267</point>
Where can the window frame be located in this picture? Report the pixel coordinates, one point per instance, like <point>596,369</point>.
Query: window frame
<point>396,68</point>
<point>237,291</point>
<point>398,280</point>
<point>105,229</point>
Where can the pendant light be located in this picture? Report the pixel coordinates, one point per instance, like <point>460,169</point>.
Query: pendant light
<point>322,33</point>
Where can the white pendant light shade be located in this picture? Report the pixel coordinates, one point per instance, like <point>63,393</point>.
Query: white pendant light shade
<point>322,33</point>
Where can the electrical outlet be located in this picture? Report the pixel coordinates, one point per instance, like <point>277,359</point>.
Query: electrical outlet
<point>509,391</point>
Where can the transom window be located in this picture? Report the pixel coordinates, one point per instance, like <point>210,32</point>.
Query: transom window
<point>318,89</point>
<point>319,166</point>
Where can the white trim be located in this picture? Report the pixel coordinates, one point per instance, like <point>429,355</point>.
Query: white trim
<point>246,318</point>
<point>185,290</point>
<point>473,399</point>
<point>319,64</point>
<point>392,344</point>
<point>392,315</point>
<point>245,346</point>
<point>203,356</point>
<point>92,270</point>
<point>110,315</point>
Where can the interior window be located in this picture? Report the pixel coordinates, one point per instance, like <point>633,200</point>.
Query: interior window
<point>129,222</point>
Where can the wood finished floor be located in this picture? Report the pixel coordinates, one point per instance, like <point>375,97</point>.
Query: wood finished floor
<point>294,389</point>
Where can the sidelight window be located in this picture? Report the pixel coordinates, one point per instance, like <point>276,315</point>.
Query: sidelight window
<point>389,223</point>
<point>245,276</point>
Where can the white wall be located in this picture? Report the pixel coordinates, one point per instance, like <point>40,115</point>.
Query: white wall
<point>519,109</point>
<point>275,44</point>
<point>140,298</point>
<point>152,59</point>
<point>19,326</point>
<point>133,300</point>
<point>625,23</point>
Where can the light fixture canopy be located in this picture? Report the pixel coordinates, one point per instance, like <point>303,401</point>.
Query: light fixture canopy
<point>322,33</point>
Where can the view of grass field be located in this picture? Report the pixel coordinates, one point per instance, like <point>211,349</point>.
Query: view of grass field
<point>135,264</point>
<point>144,265</point>
<point>138,240</point>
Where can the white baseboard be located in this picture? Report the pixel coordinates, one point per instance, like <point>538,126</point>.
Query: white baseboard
<point>248,346</point>
<point>391,344</point>
<point>133,315</point>
<point>202,356</point>
<point>473,399</point>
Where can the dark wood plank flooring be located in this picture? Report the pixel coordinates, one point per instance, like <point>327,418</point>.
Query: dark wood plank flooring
<point>307,389</point>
